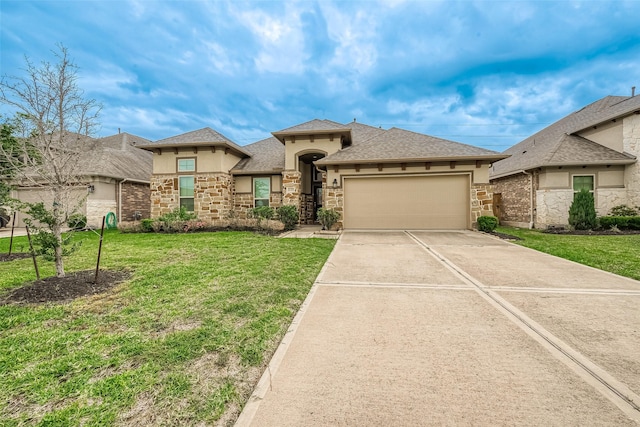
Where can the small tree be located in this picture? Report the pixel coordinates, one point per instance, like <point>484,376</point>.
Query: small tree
<point>582,213</point>
<point>57,121</point>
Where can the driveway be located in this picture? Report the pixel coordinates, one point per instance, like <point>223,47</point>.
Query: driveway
<point>455,328</point>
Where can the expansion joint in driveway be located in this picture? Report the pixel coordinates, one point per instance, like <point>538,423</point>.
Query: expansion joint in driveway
<point>617,392</point>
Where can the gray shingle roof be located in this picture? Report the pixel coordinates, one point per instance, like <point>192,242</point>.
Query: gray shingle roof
<point>373,144</point>
<point>200,137</point>
<point>314,125</point>
<point>557,144</point>
<point>117,157</point>
<point>266,156</point>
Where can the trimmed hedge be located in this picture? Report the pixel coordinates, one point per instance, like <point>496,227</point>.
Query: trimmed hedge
<point>487,223</point>
<point>621,222</point>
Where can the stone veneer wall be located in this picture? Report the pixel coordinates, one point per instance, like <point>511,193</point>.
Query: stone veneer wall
<point>97,208</point>
<point>291,180</point>
<point>334,199</point>
<point>306,209</point>
<point>243,203</point>
<point>631,145</point>
<point>515,199</point>
<point>135,198</point>
<point>212,195</point>
<point>481,201</point>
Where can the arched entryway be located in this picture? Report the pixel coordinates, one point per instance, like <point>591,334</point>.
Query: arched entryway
<point>310,186</point>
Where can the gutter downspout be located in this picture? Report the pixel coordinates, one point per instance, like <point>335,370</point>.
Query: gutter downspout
<point>138,181</point>
<point>530,175</point>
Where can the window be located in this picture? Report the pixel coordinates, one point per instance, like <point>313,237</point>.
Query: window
<point>186,192</point>
<point>186,165</point>
<point>261,191</point>
<point>581,182</point>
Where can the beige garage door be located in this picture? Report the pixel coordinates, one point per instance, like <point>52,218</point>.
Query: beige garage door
<point>438,202</point>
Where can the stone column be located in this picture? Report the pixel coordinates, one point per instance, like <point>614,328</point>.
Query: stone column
<point>291,188</point>
<point>481,201</point>
<point>631,145</point>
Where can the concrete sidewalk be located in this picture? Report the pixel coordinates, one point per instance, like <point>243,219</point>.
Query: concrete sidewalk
<point>454,328</point>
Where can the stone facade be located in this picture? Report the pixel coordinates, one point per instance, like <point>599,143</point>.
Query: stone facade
<point>212,195</point>
<point>631,145</point>
<point>291,188</point>
<point>334,199</point>
<point>515,193</point>
<point>97,208</point>
<point>481,201</point>
<point>243,203</point>
<point>135,201</point>
<point>552,207</point>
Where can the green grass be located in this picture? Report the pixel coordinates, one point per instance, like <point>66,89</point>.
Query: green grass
<point>617,254</point>
<point>180,343</point>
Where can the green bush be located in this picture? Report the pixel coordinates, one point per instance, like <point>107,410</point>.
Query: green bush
<point>289,216</point>
<point>77,221</point>
<point>582,213</point>
<point>262,212</point>
<point>178,214</point>
<point>623,210</point>
<point>327,217</point>
<point>487,223</point>
<point>620,222</point>
<point>147,225</point>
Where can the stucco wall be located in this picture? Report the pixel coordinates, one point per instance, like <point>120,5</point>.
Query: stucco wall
<point>206,160</point>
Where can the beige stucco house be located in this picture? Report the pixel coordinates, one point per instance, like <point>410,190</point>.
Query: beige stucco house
<point>594,148</point>
<point>113,176</point>
<point>375,178</point>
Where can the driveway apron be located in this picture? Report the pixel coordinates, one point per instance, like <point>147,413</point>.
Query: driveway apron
<point>455,328</point>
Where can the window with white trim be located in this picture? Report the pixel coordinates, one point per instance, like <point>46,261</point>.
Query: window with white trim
<point>261,191</point>
<point>187,184</point>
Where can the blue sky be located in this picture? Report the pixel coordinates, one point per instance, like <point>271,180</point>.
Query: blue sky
<point>485,73</point>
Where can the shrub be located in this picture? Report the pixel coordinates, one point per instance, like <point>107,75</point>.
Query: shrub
<point>262,212</point>
<point>178,214</point>
<point>620,222</point>
<point>582,213</point>
<point>327,217</point>
<point>147,225</point>
<point>289,216</point>
<point>487,223</point>
<point>623,210</point>
<point>77,221</point>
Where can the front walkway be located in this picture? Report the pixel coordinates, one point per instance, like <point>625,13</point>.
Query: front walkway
<point>454,328</point>
<point>310,231</point>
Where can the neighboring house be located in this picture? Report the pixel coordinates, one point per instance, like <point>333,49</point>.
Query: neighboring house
<point>114,178</point>
<point>594,148</point>
<point>375,178</point>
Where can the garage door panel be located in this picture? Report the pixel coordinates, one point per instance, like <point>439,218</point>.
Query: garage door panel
<point>407,202</point>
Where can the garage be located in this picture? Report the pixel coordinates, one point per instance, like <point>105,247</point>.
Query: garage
<point>424,202</point>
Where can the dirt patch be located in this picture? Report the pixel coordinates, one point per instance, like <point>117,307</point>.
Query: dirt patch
<point>64,289</point>
<point>14,256</point>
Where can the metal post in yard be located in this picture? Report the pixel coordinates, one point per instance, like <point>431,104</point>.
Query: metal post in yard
<point>13,226</point>
<point>33,254</point>
<point>95,280</point>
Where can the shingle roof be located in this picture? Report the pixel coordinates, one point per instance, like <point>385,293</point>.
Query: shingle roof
<point>266,156</point>
<point>373,144</point>
<point>313,125</point>
<point>557,144</point>
<point>117,157</point>
<point>204,136</point>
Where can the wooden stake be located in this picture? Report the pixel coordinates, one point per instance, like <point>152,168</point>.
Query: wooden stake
<point>95,279</point>
<point>33,255</point>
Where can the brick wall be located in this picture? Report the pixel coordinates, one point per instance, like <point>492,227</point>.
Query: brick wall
<point>136,197</point>
<point>516,198</point>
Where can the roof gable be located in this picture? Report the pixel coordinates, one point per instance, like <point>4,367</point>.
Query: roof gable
<point>554,143</point>
<point>201,137</point>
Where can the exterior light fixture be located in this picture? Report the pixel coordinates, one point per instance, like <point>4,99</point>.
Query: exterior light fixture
<point>91,188</point>
<point>335,183</point>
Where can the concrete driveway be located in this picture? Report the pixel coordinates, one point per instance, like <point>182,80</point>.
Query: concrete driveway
<point>455,328</point>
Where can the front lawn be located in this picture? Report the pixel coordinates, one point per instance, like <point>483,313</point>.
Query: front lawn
<point>616,254</point>
<point>181,343</point>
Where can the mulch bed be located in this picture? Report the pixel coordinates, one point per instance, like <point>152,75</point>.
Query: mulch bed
<point>14,256</point>
<point>64,289</point>
<point>504,236</point>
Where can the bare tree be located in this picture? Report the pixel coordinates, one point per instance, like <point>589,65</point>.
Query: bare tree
<point>56,122</point>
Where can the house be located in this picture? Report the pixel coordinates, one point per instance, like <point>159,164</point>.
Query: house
<point>375,178</point>
<point>594,148</point>
<point>113,177</point>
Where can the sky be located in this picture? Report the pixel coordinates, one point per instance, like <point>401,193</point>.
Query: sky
<point>485,73</point>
